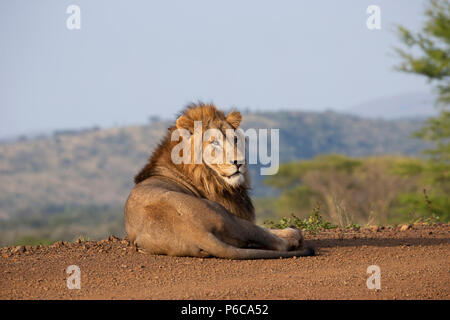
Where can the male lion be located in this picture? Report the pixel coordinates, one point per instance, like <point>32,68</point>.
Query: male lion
<point>202,209</point>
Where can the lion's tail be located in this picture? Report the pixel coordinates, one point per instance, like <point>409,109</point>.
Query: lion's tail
<point>219,249</point>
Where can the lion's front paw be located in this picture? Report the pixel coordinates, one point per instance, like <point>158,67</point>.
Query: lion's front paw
<point>293,238</point>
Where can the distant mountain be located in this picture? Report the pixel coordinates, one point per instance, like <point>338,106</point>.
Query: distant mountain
<point>96,167</point>
<point>409,105</point>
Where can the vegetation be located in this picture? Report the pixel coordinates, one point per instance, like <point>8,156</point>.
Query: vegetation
<point>384,189</point>
<point>366,190</point>
<point>432,62</point>
<point>67,223</point>
<point>313,224</point>
<point>433,43</point>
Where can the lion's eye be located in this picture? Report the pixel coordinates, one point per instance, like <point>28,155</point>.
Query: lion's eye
<point>215,143</point>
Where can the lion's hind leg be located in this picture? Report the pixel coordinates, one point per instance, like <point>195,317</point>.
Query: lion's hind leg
<point>217,248</point>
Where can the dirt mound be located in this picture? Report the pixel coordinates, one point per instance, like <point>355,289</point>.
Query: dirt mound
<point>413,261</point>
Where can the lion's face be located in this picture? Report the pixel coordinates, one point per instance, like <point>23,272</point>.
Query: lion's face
<point>222,146</point>
<point>224,154</point>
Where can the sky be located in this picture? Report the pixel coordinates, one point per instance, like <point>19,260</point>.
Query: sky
<point>134,59</point>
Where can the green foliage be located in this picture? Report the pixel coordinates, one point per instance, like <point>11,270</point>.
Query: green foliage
<point>265,207</point>
<point>361,190</point>
<point>437,130</point>
<point>49,224</point>
<point>430,197</point>
<point>289,173</point>
<point>300,199</point>
<point>424,220</point>
<point>409,167</point>
<point>313,224</point>
<point>83,239</point>
<point>33,241</point>
<point>432,205</point>
<point>433,42</point>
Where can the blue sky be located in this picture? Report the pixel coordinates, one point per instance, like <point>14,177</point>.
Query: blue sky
<point>133,59</point>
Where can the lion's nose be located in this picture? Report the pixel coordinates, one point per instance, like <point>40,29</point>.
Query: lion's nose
<point>235,162</point>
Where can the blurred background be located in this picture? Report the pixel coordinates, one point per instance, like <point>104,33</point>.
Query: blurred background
<point>363,113</point>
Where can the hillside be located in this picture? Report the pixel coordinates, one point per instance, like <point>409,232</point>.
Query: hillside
<point>92,171</point>
<point>408,105</point>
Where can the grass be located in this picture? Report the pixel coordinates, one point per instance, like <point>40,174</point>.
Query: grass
<point>33,241</point>
<point>315,222</point>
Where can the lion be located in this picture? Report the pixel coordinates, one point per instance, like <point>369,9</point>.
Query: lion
<point>202,209</point>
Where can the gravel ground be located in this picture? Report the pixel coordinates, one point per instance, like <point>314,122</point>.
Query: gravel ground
<point>414,264</point>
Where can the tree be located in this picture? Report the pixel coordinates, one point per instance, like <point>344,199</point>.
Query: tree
<point>352,190</point>
<point>434,44</point>
<point>433,62</point>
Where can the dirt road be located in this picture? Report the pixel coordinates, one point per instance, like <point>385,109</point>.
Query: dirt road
<point>414,264</point>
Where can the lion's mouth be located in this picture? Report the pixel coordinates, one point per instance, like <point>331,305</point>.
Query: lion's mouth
<point>232,175</point>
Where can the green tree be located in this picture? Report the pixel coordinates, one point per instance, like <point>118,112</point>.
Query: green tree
<point>433,62</point>
<point>433,43</point>
<point>428,54</point>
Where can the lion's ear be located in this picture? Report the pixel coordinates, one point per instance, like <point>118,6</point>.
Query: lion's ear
<point>184,122</point>
<point>234,118</point>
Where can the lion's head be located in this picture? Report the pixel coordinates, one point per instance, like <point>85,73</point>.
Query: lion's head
<point>221,144</point>
<point>219,172</point>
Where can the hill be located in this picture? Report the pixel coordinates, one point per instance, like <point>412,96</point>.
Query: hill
<point>408,105</point>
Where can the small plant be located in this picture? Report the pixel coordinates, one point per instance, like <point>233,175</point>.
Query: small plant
<point>82,239</point>
<point>432,217</point>
<point>428,202</point>
<point>354,226</point>
<point>313,224</point>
